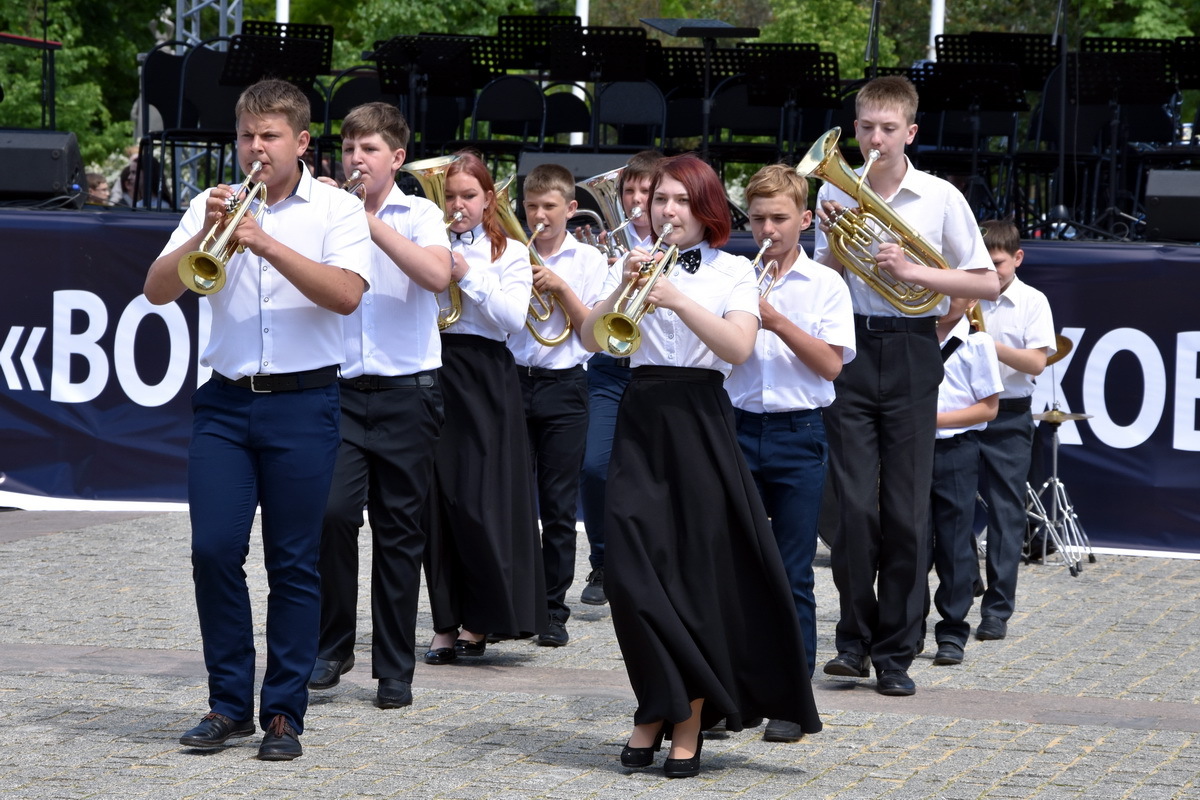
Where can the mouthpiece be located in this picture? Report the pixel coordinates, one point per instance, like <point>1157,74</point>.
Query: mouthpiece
<point>635,212</point>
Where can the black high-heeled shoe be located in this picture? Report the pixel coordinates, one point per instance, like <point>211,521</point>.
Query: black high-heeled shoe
<point>637,757</point>
<point>684,767</point>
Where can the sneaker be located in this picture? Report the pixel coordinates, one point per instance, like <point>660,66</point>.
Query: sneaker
<point>593,593</point>
<point>556,636</point>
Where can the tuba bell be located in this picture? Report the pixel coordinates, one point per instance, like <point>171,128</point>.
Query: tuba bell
<point>203,271</point>
<point>617,331</point>
<point>431,174</point>
<point>541,306</point>
<point>605,188</point>
<point>854,232</point>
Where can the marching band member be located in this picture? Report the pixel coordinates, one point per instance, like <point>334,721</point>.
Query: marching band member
<point>483,562</point>
<point>694,576</point>
<point>265,425</point>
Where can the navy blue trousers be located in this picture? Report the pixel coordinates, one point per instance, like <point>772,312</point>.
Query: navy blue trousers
<point>607,378</point>
<point>787,454</point>
<point>276,451</point>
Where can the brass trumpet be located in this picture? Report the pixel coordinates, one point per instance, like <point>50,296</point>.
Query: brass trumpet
<point>355,185</point>
<point>431,174</point>
<point>855,231</point>
<point>617,331</point>
<point>204,270</point>
<point>769,273</point>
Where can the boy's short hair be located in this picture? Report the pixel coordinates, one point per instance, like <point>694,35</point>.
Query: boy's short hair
<point>272,96</point>
<point>549,178</point>
<point>640,165</point>
<point>1001,235</point>
<point>378,117</point>
<point>889,92</point>
<point>777,179</point>
<point>94,179</point>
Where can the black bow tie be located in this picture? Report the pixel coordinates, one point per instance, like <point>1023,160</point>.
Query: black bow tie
<point>690,261</point>
<point>467,237</point>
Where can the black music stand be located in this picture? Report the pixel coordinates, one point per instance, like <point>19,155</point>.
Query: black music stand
<point>708,31</point>
<point>416,67</point>
<point>794,77</point>
<point>1035,54</point>
<point>526,42</point>
<point>947,86</point>
<point>290,51</point>
<point>597,55</point>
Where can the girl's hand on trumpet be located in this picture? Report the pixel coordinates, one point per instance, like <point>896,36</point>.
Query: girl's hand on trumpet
<point>459,266</point>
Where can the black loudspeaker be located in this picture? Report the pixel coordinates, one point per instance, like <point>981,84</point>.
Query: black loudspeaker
<point>41,165</point>
<point>1173,205</point>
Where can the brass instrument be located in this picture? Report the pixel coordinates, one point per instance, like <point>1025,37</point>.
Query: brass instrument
<point>355,185</point>
<point>203,271</point>
<point>540,306</point>
<point>604,188</point>
<point>617,331</point>
<point>769,273</point>
<point>855,231</point>
<point>975,318</point>
<point>431,174</point>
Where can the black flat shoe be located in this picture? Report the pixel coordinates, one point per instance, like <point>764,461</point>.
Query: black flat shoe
<point>328,671</point>
<point>438,656</point>
<point>393,693</point>
<point>850,665</point>
<point>638,757</point>
<point>684,767</point>
<point>214,730</point>
<point>465,648</point>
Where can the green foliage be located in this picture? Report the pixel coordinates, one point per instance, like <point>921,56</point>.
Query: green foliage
<point>838,26</point>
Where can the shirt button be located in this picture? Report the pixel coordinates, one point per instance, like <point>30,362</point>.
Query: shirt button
<point>266,299</point>
<point>266,330</point>
<point>264,267</point>
<point>266,363</point>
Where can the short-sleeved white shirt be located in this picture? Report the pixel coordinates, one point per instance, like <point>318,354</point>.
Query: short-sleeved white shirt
<point>972,372</point>
<point>394,330</point>
<point>937,210</point>
<point>774,379</point>
<point>1020,318</point>
<point>261,323</point>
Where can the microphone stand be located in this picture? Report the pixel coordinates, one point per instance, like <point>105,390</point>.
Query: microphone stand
<point>871,53</point>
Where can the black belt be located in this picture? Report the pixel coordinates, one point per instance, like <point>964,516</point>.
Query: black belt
<point>372,383</point>
<point>1016,403</point>
<point>550,374</point>
<point>882,324</point>
<point>283,381</point>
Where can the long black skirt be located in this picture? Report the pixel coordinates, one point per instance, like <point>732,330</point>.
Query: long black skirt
<point>483,558</point>
<point>700,601</point>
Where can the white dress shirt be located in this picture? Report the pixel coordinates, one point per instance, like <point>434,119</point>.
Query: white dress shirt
<point>394,330</point>
<point>972,372</point>
<point>1020,318</point>
<point>937,210</point>
<point>261,323</point>
<point>585,270</point>
<point>773,379</point>
<point>495,294</point>
<point>723,283</point>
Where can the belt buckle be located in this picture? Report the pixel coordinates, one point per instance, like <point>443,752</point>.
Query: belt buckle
<point>254,388</point>
<point>872,329</point>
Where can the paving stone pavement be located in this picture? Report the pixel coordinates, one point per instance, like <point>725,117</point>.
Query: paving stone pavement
<point>1094,694</point>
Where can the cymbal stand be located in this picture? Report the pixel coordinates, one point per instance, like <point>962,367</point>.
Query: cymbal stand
<point>1055,518</point>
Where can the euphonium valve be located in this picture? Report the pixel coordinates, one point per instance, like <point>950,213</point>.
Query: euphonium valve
<point>617,331</point>
<point>856,233</point>
<point>204,270</point>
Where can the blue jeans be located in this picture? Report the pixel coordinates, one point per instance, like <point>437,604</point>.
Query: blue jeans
<point>787,455</point>
<point>607,378</point>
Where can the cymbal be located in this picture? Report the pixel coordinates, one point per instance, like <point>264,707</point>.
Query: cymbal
<point>1062,346</point>
<point>1056,417</point>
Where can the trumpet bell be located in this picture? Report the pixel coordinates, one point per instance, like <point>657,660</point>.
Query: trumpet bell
<point>201,272</point>
<point>618,333</point>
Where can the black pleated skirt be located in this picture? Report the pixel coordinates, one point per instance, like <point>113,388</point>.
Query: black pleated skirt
<point>483,557</point>
<point>700,601</point>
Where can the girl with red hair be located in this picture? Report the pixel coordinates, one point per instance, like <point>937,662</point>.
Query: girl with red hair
<point>692,572</point>
<point>483,557</point>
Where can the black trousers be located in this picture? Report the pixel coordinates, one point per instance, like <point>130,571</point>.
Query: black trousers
<point>955,481</point>
<point>556,419</point>
<point>385,463</point>
<point>881,430</point>
<point>1006,447</point>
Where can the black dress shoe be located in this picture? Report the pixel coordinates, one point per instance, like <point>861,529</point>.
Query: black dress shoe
<point>555,635</point>
<point>780,730</point>
<point>948,653</point>
<point>328,671</point>
<point>684,767</point>
<point>214,730</point>
<point>280,742</point>
<point>991,628</point>
<point>895,683</point>
<point>393,693</point>
<point>850,665</point>
<point>465,648</point>
<point>638,757</point>
<point>593,593</point>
